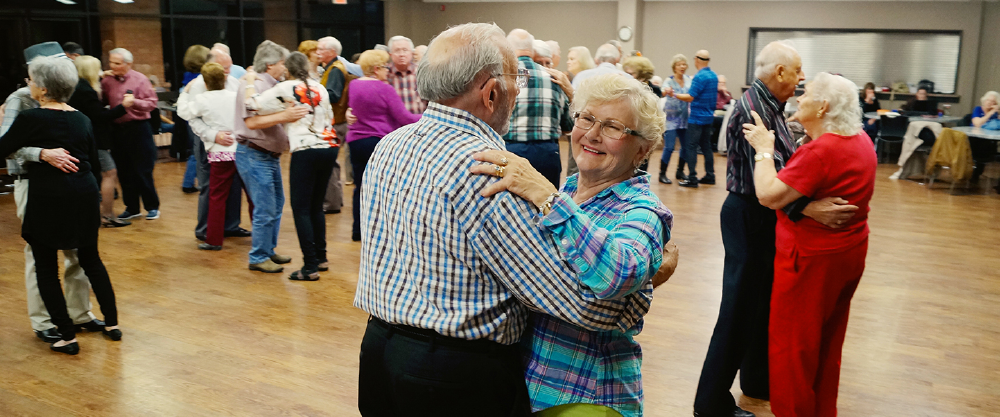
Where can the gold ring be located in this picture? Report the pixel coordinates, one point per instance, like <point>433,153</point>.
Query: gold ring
<point>499,169</point>
<point>503,161</point>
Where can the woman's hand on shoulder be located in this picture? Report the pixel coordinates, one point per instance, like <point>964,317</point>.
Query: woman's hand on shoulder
<point>758,135</point>
<point>516,175</point>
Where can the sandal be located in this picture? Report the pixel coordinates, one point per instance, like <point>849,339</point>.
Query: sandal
<point>113,222</point>
<point>325,266</point>
<point>302,276</point>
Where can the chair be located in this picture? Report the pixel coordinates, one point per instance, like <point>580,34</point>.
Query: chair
<point>892,131</point>
<point>952,152</point>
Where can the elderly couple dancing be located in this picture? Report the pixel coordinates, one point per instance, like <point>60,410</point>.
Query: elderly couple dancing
<point>491,292</point>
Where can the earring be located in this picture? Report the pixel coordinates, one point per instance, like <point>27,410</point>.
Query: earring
<point>819,115</point>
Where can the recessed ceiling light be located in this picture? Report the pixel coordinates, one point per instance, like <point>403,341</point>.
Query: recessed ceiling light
<point>66,1</point>
<point>124,1</point>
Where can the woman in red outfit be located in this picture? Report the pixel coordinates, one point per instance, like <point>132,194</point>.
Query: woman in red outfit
<point>816,268</point>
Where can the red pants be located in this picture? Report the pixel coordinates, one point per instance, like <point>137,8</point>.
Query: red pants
<point>219,181</point>
<point>810,302</point>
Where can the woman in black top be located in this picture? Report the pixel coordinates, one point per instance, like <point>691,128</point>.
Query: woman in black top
<point>62,210</point>
<point>920,103</point>
<point>869,103</point>
<point>87,99</point>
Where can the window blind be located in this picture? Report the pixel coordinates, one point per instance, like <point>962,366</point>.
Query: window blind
<point>881,57</point>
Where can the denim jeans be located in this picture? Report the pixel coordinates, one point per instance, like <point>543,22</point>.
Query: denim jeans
<point>543,156</point>
<point>261,175</point>
<point>699,137</point>
<point>670,138</point>
<point>308,176</point>
<point>361,153</point>
<point>189,173</point>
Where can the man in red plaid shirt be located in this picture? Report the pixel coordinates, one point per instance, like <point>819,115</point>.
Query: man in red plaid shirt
<point>403,74</point>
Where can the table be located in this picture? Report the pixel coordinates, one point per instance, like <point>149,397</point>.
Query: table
<point>978,132</point>
<point>939,119</point>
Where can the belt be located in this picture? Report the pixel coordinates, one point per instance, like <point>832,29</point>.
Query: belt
<point>435,338</point>
<point>20,176</point>
<point>258,148</point>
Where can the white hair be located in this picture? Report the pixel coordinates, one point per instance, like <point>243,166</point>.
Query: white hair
<point>775,53</point>
<point>268,53</point>
<point>521,40</point>
<point>329,42</point>
<point>607,53</point>
<point>650,121</point>
<point>57,75</point>
<point>124,53</point>
<point>399,38</point>
<point>844,113</point>
<point>446,72</point>
<point>222,47</point>
<point>995,95</point>
<point>656,80</point>
<point>542,49</point>
<point>554,47</point>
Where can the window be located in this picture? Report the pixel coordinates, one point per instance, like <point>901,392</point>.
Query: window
<point>881,57</point>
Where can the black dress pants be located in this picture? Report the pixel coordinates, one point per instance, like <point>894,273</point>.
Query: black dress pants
<point>361,152</point>
<point>309,174</point>
<point>415,372</point>
<point>47,268</point>
<point>739,341</point>
<point>135,155</point>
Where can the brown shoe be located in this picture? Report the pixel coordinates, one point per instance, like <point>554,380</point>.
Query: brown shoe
<point>281,259</point>
<point>759,407</point>
<point>267,266</point>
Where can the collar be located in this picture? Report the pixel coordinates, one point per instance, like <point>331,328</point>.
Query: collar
<point>123,78</point>
<point>464,121</point>
<point>620,190</point>
<point>328,64</point>
<point>767,97</point>
<point>409,70</point>
<point>268,79</point>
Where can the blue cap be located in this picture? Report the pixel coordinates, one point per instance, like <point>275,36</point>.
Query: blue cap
<point>43,49</point>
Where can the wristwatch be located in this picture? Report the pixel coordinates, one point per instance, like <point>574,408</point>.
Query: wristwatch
<point>760,156</point>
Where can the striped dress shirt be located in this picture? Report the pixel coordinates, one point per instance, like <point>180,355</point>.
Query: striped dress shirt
<point>739,175</point>
<point>615,242</point>
<point>541,111</point>
<point>437,255</point>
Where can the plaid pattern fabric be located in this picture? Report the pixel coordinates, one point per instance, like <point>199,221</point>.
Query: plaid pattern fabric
<point>406,86</point>
<point>541,111</point>
<point>739,174</point>
<point>436,255</point>
<point>615,242</point>
<point>16,102</point>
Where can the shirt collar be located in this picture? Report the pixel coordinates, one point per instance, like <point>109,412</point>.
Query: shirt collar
<point>268,79</point>
<point>620,190</point>
<point>462,120</point>
<point>409,70</point>
<point>767,97</point>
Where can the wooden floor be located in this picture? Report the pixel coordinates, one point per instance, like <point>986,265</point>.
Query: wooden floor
<point>205,336</point>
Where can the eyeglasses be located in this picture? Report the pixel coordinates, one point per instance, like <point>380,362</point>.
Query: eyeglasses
<point>520,78</point>
<point>611,129</point>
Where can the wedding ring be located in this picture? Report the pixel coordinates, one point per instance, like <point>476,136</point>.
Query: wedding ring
<point>500,169</point>
<point>503,161</point>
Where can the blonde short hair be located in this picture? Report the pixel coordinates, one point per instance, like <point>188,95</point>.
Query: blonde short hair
<point>650,121</point>
<point>371,59</point>
<point>583,57</point>
<point>214,76</point>
<point>844,114</point>
<point>308,47</point>
<point>195,57</point>
<point>89,69</point>
<point>643,67</point>
<point>677,60</point>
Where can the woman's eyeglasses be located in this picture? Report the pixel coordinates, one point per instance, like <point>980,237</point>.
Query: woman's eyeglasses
<point>611,129</point>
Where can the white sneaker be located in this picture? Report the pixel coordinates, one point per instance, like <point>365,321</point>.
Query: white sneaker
<point>153,215</point>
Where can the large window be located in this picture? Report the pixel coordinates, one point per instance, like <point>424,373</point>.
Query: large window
<point>882,57</point>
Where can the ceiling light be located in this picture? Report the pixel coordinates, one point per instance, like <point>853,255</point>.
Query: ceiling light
<point>124,1</point>
<point>66,1</point>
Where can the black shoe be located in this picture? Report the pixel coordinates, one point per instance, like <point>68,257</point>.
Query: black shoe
<point>680,175</point>
<point>707,180</point>
<point>208,246</point>
<point>115,334</point>
<point>200,237</point>
<point>665,180</point>
<point>737,412</point>
<point>356,237</point>
<point>70,349</point>
<point>49,335</point>
<point>239,232</point>
<point>688,183</point>
<point>189,190</point>
<point>331,211</point>
<point>94,325</point>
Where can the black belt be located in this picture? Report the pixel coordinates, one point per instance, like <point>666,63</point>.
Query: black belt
<point>435,338</point>
<point>258,148</point>
<point>20,176</point>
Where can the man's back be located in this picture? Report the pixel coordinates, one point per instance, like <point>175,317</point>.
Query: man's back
<point>541,111</point>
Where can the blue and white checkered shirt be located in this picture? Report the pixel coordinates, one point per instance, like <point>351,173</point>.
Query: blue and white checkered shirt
<point>17,102</point>
<point>437,255</point>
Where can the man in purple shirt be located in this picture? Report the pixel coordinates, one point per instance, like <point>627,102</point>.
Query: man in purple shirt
<point>133,148</point>
<point>262,140</point>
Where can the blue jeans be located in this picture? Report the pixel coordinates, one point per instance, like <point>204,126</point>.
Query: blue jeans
<point>261,175</point>
<point>543,156</point>
<point>699,137</point>
<point>189,173</point>
<point>669,140</point>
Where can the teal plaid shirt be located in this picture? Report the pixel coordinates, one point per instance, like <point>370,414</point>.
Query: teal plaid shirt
<point>541,111</point>
<point>614,242</point>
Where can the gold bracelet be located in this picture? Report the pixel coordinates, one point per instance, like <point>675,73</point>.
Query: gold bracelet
<point>546,207</point>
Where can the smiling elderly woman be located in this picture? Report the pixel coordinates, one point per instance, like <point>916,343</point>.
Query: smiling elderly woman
<point>816,268</point>
<point>611,229</point>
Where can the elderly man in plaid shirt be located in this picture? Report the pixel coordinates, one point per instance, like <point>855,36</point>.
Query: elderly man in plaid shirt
<point>541,113</point>
<point>403,74</point>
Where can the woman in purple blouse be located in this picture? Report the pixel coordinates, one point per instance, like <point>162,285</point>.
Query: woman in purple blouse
<point>379,111</point>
